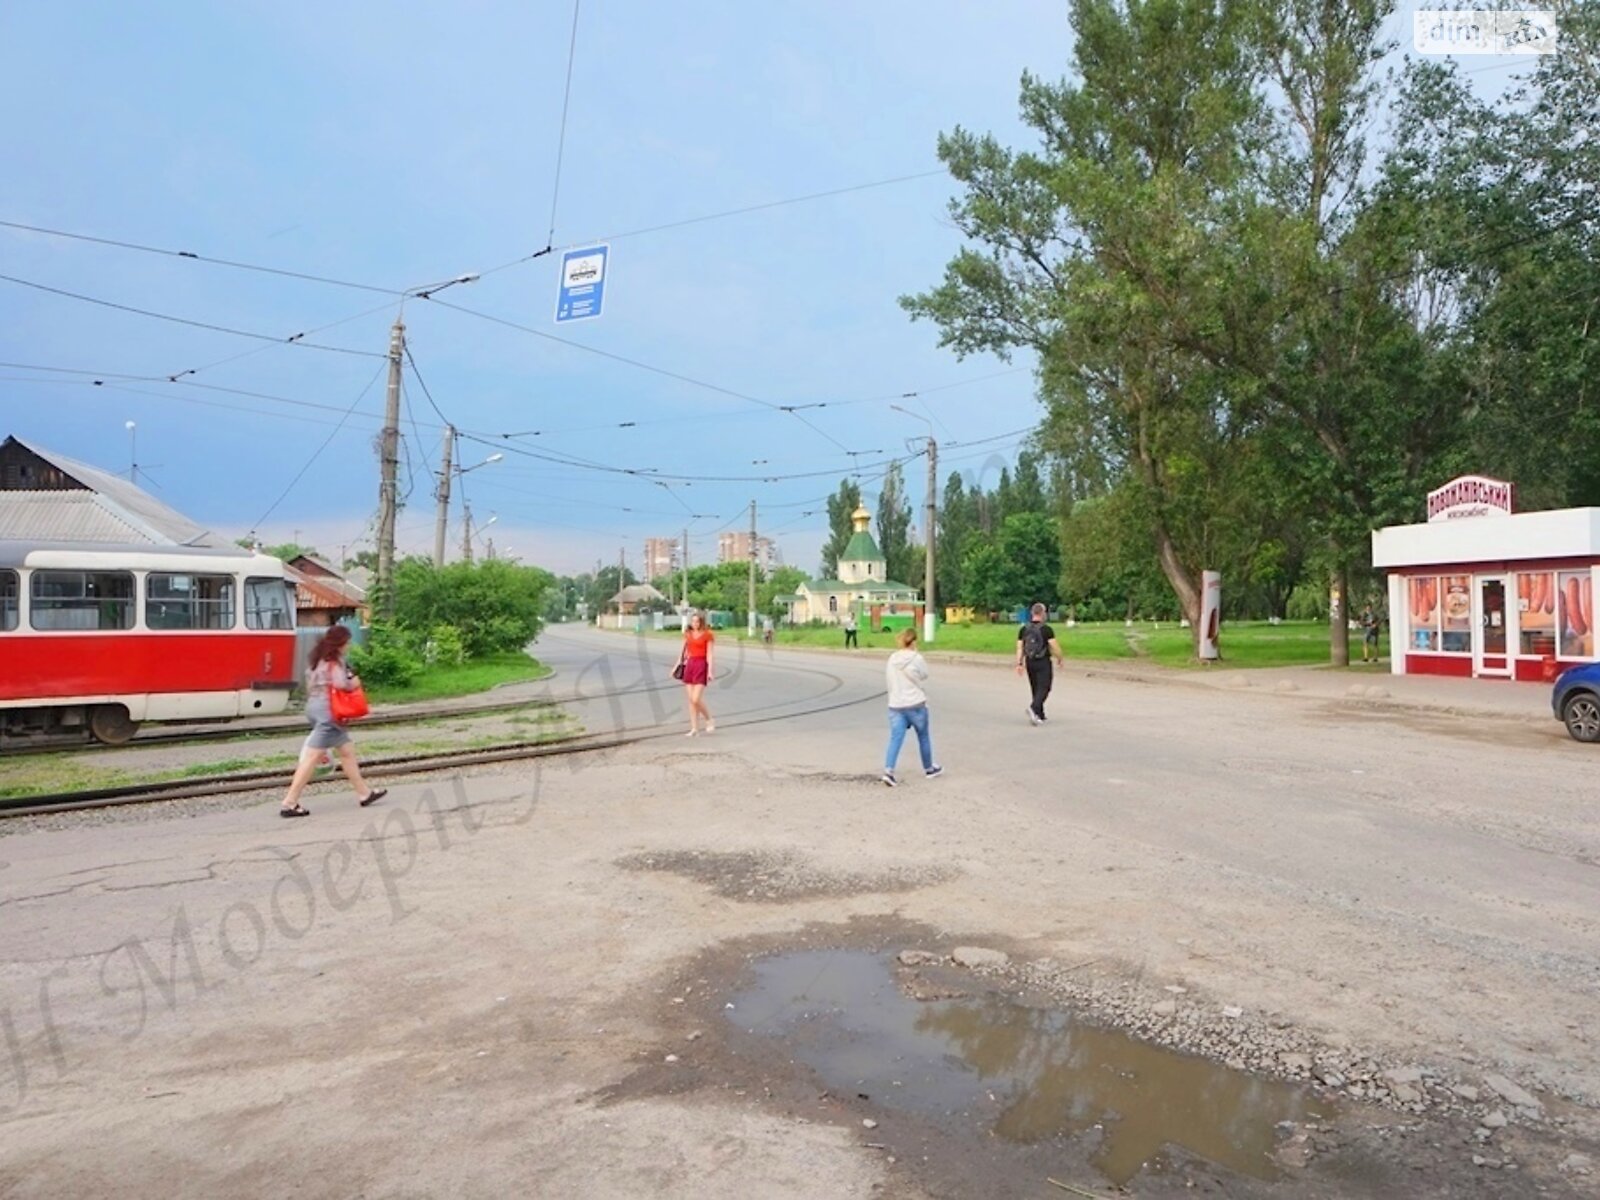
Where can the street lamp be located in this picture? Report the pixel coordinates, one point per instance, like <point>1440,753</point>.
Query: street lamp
<point>929,624</point>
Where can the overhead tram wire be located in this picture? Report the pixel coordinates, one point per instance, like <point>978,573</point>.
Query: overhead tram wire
<point>201,258</point>
<point>309,277</point>
<point>295,339</point>
<point>317,453</point>
<point>561,140</point>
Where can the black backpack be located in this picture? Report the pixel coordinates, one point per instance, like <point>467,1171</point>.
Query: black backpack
<point>1034,644</point>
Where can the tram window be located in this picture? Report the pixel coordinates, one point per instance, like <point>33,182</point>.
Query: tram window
<point>267,604</point>
<point>81,600</point>
<point>10,598</point>
<point>188,601</point>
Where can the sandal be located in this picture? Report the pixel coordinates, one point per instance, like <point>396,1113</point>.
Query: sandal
<point>296,811</point>
<point>373,797</point>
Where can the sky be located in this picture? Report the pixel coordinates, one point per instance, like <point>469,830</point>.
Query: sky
<point>397,146</point>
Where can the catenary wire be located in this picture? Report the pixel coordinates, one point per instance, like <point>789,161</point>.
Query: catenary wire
<point>316,454</point>
<point>561,140</point>
<point>295,339</point>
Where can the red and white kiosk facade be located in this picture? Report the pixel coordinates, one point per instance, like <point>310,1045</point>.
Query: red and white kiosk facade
<point>1485,592</point>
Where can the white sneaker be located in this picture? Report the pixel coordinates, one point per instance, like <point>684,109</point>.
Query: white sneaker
<point>1034,717</point>
<point>889,779</point>
<point>934,771</point>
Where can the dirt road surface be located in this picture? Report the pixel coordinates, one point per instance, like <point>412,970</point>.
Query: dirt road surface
<point>519,982</point>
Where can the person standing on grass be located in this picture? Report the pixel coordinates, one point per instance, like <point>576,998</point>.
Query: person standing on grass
<point>908,707</point>
<point>326,672</point>
<point>850,631</point>
<point>698,668</point>
<point>1369,634</point>
<point>1036,646</point>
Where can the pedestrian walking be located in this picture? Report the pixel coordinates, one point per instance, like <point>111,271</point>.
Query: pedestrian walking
<point>326,672</point>
<point>908,707</point>
<point>1036,646</point>
<point>1370,625</point>
<point>699,664</point>
<point>850,631</point>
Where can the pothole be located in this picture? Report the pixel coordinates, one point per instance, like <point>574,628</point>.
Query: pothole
<point>1026,1074</point>
<point>776,876</point>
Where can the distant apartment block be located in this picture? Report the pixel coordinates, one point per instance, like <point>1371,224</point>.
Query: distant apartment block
<point>660,557</point>
<point>735,547</point>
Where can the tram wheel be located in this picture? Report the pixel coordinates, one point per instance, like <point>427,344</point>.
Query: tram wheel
<point>111,724</point>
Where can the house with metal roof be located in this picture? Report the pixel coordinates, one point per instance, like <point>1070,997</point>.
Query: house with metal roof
<point>48,497</point>
<point>863,584</point>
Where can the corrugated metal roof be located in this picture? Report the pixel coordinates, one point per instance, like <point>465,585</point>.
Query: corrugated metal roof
<point>131,504</point>
<point>68,517</point>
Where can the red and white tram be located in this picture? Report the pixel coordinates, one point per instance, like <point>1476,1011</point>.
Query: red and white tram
<point>100,638</point>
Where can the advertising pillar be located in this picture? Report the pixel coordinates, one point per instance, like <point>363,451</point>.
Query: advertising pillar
<point>1210,615</point>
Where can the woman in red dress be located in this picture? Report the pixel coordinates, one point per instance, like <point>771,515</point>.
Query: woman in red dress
<point>698,667</point>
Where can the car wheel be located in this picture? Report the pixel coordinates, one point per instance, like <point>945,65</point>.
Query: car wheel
<point>1581,713</point>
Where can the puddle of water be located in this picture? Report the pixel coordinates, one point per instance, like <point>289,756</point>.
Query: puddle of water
<point>1025,1074</point>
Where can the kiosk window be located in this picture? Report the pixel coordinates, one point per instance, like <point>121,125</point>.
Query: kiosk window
<point>1456,629</point>
<point>1536,613</point>
<point>267,604</point>
<point>1424,593</point>
<point>188,601</point>
<point>81,600</point>
<point>1575,614</point>
<point>10,599</point>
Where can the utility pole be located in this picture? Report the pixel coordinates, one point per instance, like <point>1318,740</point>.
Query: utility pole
<point>752,617</point>
<point>929,622</point>
<point>466,529</point>
<point>685,565</point>
<point>443,493</point>
<point>389,457</point>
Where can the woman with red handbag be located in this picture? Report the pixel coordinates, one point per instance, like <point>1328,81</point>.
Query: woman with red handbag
<point>333,696</point>
<point>695,669</point>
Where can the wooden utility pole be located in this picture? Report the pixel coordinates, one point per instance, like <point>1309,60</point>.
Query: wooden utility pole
<point>389,459</point>
<point>442,521</point>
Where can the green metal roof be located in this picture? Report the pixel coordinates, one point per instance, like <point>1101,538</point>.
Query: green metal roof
<point>861,548</point>
<point>866,585</point>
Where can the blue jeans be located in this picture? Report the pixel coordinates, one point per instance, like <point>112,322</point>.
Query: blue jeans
<point>900,719</point>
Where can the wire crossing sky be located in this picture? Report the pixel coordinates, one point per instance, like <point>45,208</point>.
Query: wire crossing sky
<point>193,194</point>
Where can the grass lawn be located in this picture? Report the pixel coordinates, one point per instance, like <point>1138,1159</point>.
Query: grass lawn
<point>1244,643</point>
<point>475,675</point>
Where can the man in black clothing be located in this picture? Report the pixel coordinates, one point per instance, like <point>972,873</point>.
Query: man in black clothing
<point>1036,646</point>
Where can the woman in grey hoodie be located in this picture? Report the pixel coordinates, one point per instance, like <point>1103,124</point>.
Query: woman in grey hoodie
<point>908,706</point>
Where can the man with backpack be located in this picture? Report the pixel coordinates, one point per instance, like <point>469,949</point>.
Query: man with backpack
<point>1036,646</point>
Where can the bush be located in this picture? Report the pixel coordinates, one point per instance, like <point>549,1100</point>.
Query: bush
<point>387,659</point>
<point>494,606</point>
<point>1092,609</point>
<point>444,647</point>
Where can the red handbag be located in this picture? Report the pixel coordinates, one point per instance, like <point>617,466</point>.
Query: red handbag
<point>348,706</point>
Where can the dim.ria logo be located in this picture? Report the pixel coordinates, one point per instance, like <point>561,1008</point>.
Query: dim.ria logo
<point>1474,31</point>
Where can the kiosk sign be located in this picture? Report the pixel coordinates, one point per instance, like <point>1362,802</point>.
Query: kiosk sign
<point>1470,496</point>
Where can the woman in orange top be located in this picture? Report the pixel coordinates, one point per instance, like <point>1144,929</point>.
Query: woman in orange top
<point>698,661</point>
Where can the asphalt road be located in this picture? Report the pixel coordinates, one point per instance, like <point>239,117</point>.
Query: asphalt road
<point>435,998</point>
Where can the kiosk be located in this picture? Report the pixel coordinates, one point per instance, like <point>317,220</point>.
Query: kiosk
<point>1485,592</point>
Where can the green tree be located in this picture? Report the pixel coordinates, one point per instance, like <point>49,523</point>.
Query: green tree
<point>958,519</point>
<point>840,505</point>
<point>894,526</point>
<point>1069,243</point>
<point>985,577</point>
<point>1031,545</point>
<point>496,606</point>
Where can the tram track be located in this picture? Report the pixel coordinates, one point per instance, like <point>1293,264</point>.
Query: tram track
<point>415,764</point>
<point>297,724</point>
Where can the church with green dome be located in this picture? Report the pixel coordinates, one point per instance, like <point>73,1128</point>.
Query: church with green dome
<point>863,584</point>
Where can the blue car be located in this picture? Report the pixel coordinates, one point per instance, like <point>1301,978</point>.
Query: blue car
<point>1576,701</point>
